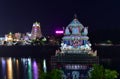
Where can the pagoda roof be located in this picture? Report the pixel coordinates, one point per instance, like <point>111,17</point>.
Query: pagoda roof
<point>75,23</point>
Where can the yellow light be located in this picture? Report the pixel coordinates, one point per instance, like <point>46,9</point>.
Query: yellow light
<point>17,65</point>
<point>9,69</point>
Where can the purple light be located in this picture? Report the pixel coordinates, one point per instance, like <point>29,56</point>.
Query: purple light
<point>35,70</point>
<point>59,32</point>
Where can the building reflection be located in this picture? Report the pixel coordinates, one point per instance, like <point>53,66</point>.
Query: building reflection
<point>9,69</point>
<point>19,68</point>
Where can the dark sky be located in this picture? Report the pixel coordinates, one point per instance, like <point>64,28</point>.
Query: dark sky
<point>19,15</point>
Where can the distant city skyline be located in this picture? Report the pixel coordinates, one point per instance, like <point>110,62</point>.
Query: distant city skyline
<point>18,16</point>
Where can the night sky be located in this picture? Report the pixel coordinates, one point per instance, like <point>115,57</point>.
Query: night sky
<point>101,16</point>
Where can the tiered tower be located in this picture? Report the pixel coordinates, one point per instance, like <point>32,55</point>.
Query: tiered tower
<point>75,40</point>
<point>75,57</point>
<point>36,31</point>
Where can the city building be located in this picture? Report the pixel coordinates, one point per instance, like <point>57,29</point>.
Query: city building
<point>9,37</point>
<point>75,56</point>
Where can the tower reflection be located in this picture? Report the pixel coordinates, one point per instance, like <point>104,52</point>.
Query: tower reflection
<point>19,68</point>
<point>35,70</point>
<point>9,69</point>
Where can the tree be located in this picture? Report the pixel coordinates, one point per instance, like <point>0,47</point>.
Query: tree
<point>99,72</point>
<point>39,41</point>
<point>56,74</point>
<point>43,75</point>
<point>111,74</point>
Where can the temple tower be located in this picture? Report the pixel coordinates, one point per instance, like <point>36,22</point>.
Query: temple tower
<point>36,31</point>
<point>75,57</point>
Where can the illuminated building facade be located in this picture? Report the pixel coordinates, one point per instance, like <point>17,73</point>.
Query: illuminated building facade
<point>9,37</point>
<point>17,36</point>
<point>36,31</point>
<point>75,57</point>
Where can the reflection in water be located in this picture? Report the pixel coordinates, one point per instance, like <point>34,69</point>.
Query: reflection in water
<point>35,70</point>
<point>3,72</point>
<point>44,66</point>
<point>25,68</point>
<point>9,69</point>
<point>19,68</point>
<point>29,69</point>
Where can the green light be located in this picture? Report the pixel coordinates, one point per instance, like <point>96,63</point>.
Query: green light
<point>29,69</point>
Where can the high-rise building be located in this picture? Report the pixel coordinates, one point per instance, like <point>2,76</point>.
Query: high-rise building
<point>36,31</point>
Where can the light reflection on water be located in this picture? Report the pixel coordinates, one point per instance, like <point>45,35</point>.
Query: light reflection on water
<point>9,69</point>
<point>29,69</point>
<point>35,70</point>
<point>3,69</point>
<point>19,68</point>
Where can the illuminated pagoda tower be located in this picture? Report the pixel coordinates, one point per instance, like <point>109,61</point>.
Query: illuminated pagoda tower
<point>36,31</point>
<point>75,57</point>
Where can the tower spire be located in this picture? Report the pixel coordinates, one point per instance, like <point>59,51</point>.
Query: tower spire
<point>75,16</point>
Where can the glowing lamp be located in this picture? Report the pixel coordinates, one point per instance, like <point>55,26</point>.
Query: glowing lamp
<point>59,32</point>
